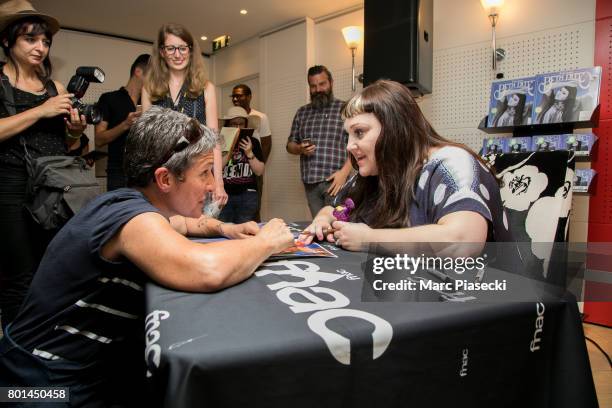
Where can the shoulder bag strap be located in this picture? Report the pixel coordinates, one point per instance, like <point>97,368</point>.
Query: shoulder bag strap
<point>7,97</point>
<point>50,87</point>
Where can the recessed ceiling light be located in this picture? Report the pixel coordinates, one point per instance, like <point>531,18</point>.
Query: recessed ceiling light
<point>204,38</point>
<point>243,11</point>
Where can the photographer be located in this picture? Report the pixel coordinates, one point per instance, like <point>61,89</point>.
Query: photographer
<point>37,110</point>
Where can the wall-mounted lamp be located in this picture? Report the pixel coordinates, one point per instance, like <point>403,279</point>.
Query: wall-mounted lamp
<point>492,7</point>
<point>353,36</point>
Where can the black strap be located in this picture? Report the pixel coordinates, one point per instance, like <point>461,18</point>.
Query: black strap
<point>51,89</point>
<point>7,97</point>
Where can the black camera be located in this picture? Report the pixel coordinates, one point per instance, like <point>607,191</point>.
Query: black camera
<point>78,86</point>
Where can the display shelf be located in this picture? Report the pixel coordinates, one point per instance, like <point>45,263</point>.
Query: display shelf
<point>542,129</point>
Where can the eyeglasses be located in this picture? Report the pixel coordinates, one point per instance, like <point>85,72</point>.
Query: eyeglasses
<point>170,49</point>
<point>191,136</point>
<point>238,96</point>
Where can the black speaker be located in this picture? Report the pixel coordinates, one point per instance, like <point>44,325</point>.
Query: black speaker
<point>398,42</point>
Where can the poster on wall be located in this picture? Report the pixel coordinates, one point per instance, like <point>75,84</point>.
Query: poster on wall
<point>567,96</point>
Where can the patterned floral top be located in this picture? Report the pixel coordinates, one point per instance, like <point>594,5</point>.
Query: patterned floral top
<point>453,180</point>
<point>192,107</point>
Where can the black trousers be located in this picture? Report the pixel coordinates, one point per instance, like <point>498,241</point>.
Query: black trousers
<point>22,242</point>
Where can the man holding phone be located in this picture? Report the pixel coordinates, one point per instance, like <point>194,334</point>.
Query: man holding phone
<point>318,137</point>
<point>120,109</point>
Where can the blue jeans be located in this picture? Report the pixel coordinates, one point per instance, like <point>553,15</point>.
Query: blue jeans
<point>20,368</point>
<point>90,385</point>
<point>240,207</point>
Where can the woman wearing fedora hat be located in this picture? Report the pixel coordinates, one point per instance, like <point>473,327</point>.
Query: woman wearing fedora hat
<point>240,167</point>
<point>36,110</point>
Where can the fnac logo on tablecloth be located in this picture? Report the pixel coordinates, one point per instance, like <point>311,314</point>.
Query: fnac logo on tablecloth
<point>152,335</point>
<point>324,310</point>
<point>539,327</point>
<point>464,363</point>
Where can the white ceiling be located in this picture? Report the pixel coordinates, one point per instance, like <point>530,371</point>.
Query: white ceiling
<point>140,19</point>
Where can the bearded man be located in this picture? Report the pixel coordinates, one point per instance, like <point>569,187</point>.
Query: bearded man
<point>318,137</point>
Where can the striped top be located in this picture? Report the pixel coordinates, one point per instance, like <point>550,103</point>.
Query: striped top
<point>81,307</point>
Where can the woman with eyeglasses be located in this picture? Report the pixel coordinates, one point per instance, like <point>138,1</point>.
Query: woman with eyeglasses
<point>177,80</point>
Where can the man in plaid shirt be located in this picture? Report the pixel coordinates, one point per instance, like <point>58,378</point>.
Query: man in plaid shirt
<point>318,137</point>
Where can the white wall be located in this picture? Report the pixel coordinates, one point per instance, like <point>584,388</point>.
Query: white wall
<point>461,22</point>
<point>236,62</point>
<point>281,63</point>
<point>284,62</point>
<point>543,36</point>
<point>72,49</point>
<point>538,36</point>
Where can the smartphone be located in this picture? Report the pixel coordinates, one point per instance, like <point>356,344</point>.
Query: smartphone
<point>306,142</point>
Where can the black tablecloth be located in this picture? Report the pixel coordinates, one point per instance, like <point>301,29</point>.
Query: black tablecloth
<point>260,344</point>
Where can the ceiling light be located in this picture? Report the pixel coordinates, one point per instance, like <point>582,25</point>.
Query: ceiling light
<point>204,38</point>
<point>243,11</point>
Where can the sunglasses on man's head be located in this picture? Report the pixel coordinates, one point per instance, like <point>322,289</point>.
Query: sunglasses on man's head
<point>192,135</point>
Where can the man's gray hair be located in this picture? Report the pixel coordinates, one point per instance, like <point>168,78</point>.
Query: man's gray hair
<point>153,139</point>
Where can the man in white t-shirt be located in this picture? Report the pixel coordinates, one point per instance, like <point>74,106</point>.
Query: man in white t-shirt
<point>241,96</point>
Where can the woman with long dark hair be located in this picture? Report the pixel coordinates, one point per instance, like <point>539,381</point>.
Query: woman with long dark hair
<point>413,185</point>
<point>35,111</point>
<point>177,80</point>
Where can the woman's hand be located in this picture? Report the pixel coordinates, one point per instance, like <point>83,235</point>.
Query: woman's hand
<point>247,146</point>
<point>76,125</point>
<point>56,105</point>
<point>351,236</point>
<point>319,228</point>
